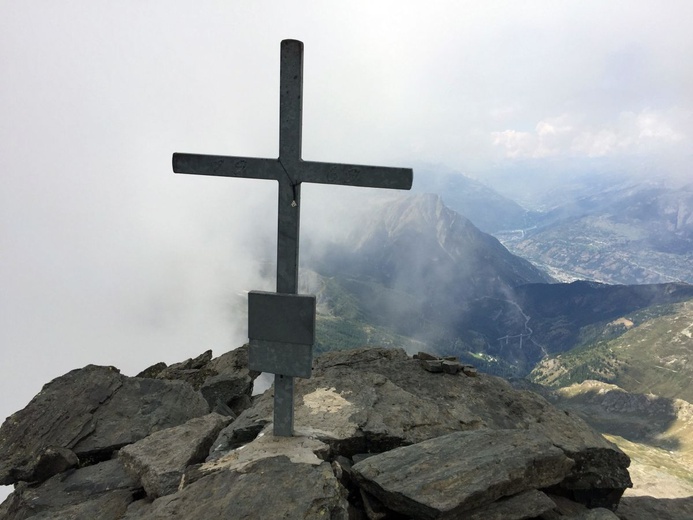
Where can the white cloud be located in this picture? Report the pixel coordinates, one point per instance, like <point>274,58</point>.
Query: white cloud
<point>646,132</point>
<point>107,257</point>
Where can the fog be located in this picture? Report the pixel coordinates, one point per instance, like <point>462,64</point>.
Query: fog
<point>107,257</point>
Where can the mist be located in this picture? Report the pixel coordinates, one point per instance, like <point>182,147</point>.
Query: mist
<point>109,258</point>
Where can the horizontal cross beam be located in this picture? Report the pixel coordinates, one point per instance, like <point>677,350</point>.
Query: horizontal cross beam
<point>281,337</point>
<point>304,171</point>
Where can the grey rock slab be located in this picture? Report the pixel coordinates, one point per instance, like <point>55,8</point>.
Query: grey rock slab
<point>233,362</point>
<point>600,474</point>
<point>599,514</point>
<point>160,459</point>
<point>110,506</point>
<point>303,449</point>
<point>68,491</point>
<point>60,415</point>
<point>528,504</point>
<point>446,476</point>
<point>649,508</point>
<point>269,488</point>
<point>53,460</point>
<point>92,411</point>
<point>372,400</point>
<point>139,408</point>
<point>193,371</point>
<point>228,389</point>
<point>364,412</point>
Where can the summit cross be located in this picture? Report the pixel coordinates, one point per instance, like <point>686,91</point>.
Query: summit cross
<point>281,325</point>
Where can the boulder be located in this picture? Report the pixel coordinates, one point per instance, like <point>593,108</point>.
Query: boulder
<point>159,460</point>
<point>84,411</point>
<point>193,371</point>
<point>225,381</point>
<point>268,488</point>
<point>447,476</point>
<point>101,491</point>
<point>649,508</point>
<point>528,504</point>
<point>232,390</point>
<point>365,408</point>
<point>373,400</point>
<point>53,460</point>
<point>567,509</point>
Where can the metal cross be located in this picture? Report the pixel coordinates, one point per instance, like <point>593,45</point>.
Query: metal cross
<point>281,325</point>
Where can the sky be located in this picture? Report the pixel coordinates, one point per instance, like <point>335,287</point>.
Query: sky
<point>107,257</point>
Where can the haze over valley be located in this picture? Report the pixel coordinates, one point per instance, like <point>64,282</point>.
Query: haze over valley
<point>551,144</point>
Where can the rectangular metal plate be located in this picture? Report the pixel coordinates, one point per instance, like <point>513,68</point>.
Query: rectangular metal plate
<point>285,318</point>
<point>287,359</point>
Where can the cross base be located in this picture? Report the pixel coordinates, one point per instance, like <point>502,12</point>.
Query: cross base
<point>283,406</point>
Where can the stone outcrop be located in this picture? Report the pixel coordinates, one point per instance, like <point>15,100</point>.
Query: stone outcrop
<point>225,382</point>
<point>92,412</point>
<point>269,488</point>
<point>103,491</point>
<point>159,461</point>
<point>447,476</point>
<point>377,436</point>
<point>373,400</point>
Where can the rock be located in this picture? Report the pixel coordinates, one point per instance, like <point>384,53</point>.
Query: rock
<point>374,508</point>
<point>432,365</point>
<point>103,490</point>
<point>153,370</point>
<point>193,371</point>
<point>470,371</point>
<point>600,514</point>
<point>649,508</point>
<point>449,475</point>
<point>528,504</point>
<point>149,405</point>
<point>224,381</point>
<point>360,408</point>
<point>228,389</point>
<point>447,364</point>
<point>451,367</point>
<point>298,449</point>
<point>373,400</point>
<point>110,506</point>
<point>567,509</point>
<point>160,459</point>
<point>268,488</point>
<point>234,361</point>
<point>53,460</point>
<point>84,411</point>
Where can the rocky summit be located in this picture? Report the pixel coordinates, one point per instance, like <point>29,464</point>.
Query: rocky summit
<point>377,436</point>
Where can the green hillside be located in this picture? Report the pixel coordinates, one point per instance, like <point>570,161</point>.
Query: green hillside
<point>648,351</point>
<point>341,322</point>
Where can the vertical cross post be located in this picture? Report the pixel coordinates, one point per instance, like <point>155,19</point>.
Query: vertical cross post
<point>289,211</point>
<point>281,325</point>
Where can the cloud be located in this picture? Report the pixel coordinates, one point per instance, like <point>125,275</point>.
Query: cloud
<point>107,257</point>
<point>647,132</point>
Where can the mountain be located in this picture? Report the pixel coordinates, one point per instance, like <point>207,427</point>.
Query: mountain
<point>489,210</point>
<point>627,233</point>
<point>646,351</point>
<point>415,266</point>
<point>419,273</point>
<point>631,380</point>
